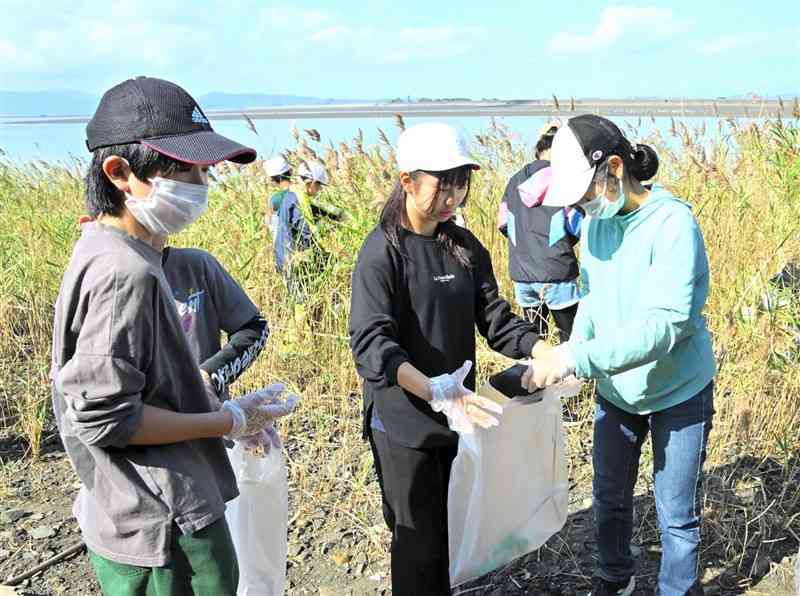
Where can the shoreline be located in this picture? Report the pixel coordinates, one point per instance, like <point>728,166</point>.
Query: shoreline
<point>661,108</point>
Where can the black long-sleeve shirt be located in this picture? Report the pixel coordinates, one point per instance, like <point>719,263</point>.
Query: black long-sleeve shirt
<point>420,305</point>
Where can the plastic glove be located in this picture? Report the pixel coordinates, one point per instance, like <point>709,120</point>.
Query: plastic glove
<point>267,438</point>
<point>552,367</point>
<point>263,441</point>
<point>462,407</point>
<point>211,392</point>
<point>256,410</point>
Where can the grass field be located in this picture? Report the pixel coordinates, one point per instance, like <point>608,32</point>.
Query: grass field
<point>742,182</point>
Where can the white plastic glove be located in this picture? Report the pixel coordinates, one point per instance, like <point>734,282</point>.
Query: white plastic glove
<point>256,410</point>
<point>267,438</point>
<point>552,367</point>
<point>462,407</point>
<point>263,441</point>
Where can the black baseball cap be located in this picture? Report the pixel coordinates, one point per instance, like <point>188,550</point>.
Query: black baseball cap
<point>163,116</point>
<point>578,148</point>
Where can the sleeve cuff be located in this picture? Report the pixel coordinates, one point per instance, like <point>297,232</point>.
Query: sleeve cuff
<point>126,430</point>
<point>565,356</point>
<point>392,365</point>
<point>580,359</point>
<point>526,343</point>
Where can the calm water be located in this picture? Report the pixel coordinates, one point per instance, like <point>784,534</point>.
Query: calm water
<point>65,142</point>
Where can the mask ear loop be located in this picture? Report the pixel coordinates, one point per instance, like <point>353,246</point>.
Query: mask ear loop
<point>602,171</point>
<point>617,187</point>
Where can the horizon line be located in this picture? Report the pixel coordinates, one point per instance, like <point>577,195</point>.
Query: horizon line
<point>553,107</point>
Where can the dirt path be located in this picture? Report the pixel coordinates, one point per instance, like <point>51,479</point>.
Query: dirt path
<point>333,555</point>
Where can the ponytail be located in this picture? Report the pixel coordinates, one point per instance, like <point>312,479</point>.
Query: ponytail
<point>643,163</point>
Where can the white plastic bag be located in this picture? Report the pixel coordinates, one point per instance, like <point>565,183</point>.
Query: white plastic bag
<point>508,486</point>
<point>258,520</point>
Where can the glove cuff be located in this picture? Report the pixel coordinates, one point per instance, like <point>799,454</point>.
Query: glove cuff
<point>438,392</point>
<point>239,420</point>
<point>565,357</point>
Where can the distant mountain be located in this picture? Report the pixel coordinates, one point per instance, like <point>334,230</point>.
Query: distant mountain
<point>76,103</point>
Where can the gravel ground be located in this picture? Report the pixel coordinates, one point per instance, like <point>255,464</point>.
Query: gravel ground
<point>328,556</point>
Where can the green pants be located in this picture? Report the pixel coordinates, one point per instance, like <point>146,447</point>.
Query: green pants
<point>203,563</point>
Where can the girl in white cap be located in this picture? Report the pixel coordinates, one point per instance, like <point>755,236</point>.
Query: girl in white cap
<point>280,173</point>
<point>641,333</point>
<point>314,177</point>
<point>421,286</point>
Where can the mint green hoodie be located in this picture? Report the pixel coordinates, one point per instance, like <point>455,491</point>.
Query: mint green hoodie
<point>640,329</point>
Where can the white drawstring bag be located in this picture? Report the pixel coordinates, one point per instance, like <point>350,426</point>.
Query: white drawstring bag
<point>258,520</point>
<point>509,485</point>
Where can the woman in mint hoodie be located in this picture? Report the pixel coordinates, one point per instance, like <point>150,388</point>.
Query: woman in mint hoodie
<point>640,333</point>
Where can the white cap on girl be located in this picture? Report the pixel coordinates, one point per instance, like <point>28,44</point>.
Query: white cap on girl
<point>311,170</point>
<point>276,166</point>
<point>434,147</point>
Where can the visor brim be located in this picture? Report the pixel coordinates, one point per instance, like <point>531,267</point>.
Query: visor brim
<point>204,148</point>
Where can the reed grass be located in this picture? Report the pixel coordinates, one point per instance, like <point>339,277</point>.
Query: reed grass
<point>741,180</point>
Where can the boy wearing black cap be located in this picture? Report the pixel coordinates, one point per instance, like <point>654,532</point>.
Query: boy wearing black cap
<point>128,397</point>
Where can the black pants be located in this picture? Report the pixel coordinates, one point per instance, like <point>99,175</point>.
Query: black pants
<point>414,489</point>
<point>564,318</point>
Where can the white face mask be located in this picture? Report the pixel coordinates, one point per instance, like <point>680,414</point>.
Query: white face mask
<point>171,206</point>
<point>602,207</point>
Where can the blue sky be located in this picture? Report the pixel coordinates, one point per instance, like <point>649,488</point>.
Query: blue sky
<point>388,48</point>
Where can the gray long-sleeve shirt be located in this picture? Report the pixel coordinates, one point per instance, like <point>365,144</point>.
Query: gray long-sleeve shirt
<point>118,345</point>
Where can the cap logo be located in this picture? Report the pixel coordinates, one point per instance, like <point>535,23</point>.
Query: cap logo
<point>197,116</point>
<point>597,155</point>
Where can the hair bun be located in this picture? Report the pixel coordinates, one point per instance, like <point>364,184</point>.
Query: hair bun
<point>645,162</point>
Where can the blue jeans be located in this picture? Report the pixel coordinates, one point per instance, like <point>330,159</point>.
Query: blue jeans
<point>679,435</point>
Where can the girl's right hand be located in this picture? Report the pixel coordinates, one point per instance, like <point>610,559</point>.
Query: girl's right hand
<point>463,408</point>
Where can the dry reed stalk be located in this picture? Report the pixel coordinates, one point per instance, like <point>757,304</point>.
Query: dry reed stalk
<point>745,200</point>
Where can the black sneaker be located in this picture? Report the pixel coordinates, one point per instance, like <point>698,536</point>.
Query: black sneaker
<point>601,587</point>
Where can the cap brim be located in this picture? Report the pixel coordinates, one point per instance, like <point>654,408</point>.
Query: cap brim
<point>203,148</point>
<point>571,172</point>
<point>568,187</point>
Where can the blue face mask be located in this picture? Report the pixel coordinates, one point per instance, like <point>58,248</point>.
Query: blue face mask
<point>602,207</point>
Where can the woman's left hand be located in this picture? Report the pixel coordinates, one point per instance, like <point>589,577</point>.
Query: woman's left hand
<point>549,368</point>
